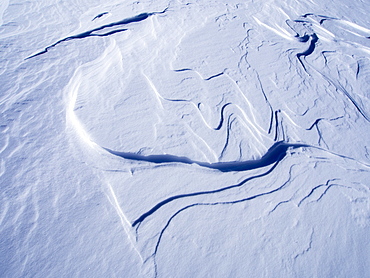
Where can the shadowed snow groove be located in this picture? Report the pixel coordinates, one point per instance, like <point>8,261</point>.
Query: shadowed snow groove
<point>304,38</point>
<point>328,184</point>
<point>222,116</point>
<point>321,17</point>
<point>170,199</point>
<point>99,15</point>
<point>274,154</point>
<point>91,33</point>
<point>215,204</point>
<point>310,50</point>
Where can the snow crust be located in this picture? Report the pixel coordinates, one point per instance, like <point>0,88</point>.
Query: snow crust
<point>184,138</point>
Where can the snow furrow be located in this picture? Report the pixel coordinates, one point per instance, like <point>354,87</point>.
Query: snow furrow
<point>222,116</point>
<point>99,16</point>
<point>327,184</point>
<point>93,32</point>
<point>273,156</point>
<point>213,204</point>
<point>139,220</point>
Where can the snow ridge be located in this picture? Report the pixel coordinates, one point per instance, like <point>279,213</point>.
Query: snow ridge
<point>94,32</point>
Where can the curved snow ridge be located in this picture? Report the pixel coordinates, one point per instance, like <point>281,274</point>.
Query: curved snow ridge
<point>274,155</point>
<point>145,215</point>
<point>92,32</point>
<point>255,196</point>
<point>73,90</point>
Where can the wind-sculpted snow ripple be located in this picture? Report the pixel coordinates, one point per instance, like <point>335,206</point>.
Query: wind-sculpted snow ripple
<point>273,156</point>
<point>94,32</point>
<point>217,130</point>
<point>250,198</point>
<point>139,220</point>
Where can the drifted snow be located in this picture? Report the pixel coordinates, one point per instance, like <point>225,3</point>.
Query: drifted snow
<point>185,139</point>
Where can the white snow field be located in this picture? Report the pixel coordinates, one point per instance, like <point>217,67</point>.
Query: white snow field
<point>177,138</point>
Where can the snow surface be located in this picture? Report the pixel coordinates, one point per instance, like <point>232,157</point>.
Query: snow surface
<point>185,138</point>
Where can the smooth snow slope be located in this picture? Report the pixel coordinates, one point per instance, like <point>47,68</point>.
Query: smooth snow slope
<point>185,138</point>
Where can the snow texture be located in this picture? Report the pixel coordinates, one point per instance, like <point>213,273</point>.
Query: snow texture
<point>177,138</point>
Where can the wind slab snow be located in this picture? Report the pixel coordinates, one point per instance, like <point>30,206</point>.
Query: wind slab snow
<point>185,138</point>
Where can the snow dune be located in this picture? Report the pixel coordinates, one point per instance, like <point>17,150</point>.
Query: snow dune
<point>184,139</point>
